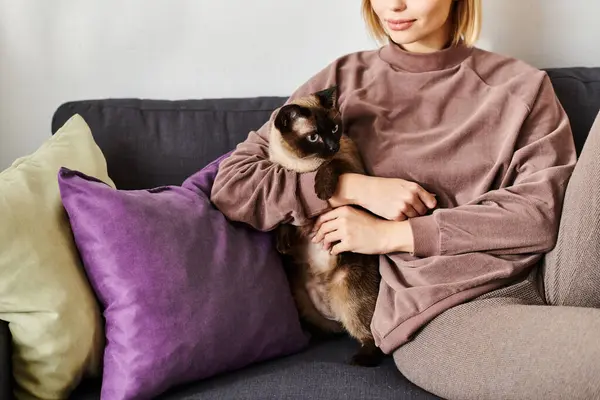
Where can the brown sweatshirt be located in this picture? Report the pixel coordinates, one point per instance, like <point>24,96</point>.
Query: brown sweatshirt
<point>484,132</point>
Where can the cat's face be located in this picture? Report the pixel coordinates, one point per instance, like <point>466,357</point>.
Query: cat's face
<point>311,126</point>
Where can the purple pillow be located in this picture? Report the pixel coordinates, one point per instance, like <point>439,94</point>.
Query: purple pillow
<point>186,294</point>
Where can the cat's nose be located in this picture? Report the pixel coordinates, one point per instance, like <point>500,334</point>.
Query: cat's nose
<point>333,147</point>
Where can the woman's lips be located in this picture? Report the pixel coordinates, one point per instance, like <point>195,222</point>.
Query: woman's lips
<point>400,24</point>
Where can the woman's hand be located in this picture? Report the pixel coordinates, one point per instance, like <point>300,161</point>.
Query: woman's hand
<point>360,232</point>
<point>390,198</point>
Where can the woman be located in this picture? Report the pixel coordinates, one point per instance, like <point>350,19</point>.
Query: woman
<point>469,154</point>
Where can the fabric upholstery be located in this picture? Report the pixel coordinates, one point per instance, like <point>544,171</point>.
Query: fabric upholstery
<point>152,143</point>
<point>318,373</point>
<point>578,90</point>
<point>52,312</point>
<point>185,293</point>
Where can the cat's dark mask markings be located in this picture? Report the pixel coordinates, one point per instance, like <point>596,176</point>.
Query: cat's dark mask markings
<point>312,127</point>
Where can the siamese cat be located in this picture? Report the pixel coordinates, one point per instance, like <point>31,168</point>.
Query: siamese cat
<point>333,294</point>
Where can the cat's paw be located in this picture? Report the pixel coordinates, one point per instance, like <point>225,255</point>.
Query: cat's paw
<point>325,183</point>
<point>283,238</point>
<point>368,355</point>
<point>282,247</point>
<point>366,359</point>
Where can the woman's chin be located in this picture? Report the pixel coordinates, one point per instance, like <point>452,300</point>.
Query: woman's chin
<point>403,39</point>
<point>415,43</point>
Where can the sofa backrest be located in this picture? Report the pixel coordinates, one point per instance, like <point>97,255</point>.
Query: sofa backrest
<point>150,143</point>
<point>578,90</point>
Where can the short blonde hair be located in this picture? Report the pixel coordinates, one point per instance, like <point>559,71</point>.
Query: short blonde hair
<point>466,15</point>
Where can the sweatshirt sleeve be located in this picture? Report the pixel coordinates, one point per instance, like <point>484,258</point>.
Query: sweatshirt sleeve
<point>250,188</point>
<point>522,216</point>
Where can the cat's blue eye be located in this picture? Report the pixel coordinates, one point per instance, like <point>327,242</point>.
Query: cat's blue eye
<point>335,129</point>
<point>313,138</point>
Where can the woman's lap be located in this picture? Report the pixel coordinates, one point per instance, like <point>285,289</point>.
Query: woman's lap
<point>507,345</point>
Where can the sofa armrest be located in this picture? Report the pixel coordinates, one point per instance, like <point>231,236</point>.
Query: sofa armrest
<point>5,362</point>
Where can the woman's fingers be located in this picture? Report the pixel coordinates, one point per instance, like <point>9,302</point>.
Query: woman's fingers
<point>408,210</point>
<point>327,227</point>
<point>427,198</point>
<point>417,204</point>
<point>326,217</point>
<point>340,248</point>
<point>401,217</point>
<point>332,237</point>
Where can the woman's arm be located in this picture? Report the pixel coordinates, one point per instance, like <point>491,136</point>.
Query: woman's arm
<point>523,216</point>
<point>250,188</point>
<point>393,199</point>
<point>357,231</point>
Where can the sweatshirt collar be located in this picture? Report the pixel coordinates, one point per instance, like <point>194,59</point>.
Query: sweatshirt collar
<point>404,60</point>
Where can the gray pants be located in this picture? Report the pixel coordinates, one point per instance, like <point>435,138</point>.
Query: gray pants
<point>537,339</point>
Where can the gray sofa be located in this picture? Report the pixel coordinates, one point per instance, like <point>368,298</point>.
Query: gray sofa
<point>149,143</point>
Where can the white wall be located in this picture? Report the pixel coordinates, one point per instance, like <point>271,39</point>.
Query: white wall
<point>52,51</point>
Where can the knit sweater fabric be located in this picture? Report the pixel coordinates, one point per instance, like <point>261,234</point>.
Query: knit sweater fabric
<point>484,132</point>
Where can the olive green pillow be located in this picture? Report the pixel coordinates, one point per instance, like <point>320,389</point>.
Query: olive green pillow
<point>45,297</point>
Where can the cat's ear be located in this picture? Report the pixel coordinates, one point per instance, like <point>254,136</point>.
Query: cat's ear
<point>328,97</point>
<point>287,115</point>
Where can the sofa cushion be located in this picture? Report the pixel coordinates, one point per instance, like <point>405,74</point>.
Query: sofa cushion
<point>318,373</point>
<point>186,294</point>
<point>52,313</point>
